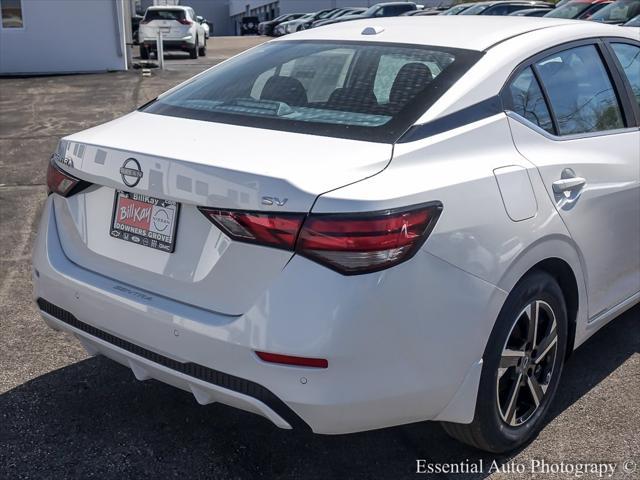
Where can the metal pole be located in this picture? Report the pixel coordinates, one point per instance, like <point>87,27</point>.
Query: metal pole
<point>160,50</point>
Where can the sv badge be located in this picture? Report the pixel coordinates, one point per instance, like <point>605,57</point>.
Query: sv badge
<point>279,202</point>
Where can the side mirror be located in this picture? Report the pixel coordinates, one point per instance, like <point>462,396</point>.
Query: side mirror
<point>199,19</point>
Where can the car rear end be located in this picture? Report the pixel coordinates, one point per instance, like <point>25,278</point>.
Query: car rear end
<point>177,29</point>
<point>223,274</point>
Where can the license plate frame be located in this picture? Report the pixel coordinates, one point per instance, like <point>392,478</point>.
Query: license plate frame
<point>146,221</point>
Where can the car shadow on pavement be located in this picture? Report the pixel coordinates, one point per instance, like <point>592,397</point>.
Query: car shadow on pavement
<point>93,418</point>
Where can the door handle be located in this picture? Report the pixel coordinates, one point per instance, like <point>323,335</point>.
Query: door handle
<point>568,184</point>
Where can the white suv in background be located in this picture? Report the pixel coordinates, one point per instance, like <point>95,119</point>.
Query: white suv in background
<point>180,31</point>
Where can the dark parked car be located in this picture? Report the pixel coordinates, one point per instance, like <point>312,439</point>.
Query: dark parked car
<point>249,26</point>
<point>503,7</point>
<point>578,9</point>
<point>390,9</point>
<point>266,28</point>
<point>532,12</point>
<point>617,13</point>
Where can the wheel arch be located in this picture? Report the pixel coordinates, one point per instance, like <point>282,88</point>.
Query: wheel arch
<point>559,257</point>
<point>561,271</point>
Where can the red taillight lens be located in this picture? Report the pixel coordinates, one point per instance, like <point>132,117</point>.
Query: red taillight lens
<point>362,243</point>
<point>348,243</point>
<point>60,182</point>
<point>184,21</point>
<point>274,230</point>
<point>291,360</point>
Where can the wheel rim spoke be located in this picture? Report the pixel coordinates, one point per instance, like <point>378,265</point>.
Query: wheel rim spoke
<point>512,403</point>
<point>532,311</point>
<point>537,390</point>
<point>546,345</point>
<point>510,358</point>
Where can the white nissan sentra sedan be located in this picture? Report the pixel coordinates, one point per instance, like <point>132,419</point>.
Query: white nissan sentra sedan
<point>369,224</point>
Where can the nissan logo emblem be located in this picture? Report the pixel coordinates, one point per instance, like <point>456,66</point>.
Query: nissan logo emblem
<point>131,172</point>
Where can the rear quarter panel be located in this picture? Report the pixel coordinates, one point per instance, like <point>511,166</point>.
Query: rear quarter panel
<point>474,232</point>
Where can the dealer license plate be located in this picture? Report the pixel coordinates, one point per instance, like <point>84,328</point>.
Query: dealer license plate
<point>147,221</point>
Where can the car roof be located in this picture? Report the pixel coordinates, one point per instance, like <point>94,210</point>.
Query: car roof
<point>481,32</point>
<point>168,7</point>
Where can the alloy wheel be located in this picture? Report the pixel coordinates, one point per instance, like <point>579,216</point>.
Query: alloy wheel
<point>527,363</point>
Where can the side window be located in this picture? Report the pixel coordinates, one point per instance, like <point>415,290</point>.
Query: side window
<point>515,8</point>
<point>394,10</point>
<point>527,100</point>
<point>629,57</point>
<point>497,10</point>
<point>580,92</point>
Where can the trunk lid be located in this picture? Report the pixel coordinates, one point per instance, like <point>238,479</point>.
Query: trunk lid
<point>197,163</point>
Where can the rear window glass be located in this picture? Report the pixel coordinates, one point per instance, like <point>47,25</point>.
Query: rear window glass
<point>367,91</point>
<point>164,15</point>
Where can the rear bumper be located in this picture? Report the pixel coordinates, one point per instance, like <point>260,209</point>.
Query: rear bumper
<point>185,43</point>
<point>399,350</point>
<point>206,384</point>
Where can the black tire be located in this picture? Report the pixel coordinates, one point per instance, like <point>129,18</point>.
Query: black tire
<point>144,52</point>
<point>193,53</point>
<point>497,429</point>
<point>202,51</point>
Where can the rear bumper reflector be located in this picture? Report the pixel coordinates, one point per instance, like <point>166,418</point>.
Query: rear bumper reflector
<point>215,377</point>
<point>293,361</point>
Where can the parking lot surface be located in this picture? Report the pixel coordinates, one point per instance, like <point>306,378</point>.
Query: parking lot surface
<point>66,415</point>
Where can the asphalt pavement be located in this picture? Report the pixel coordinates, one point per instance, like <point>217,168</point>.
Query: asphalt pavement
<point>64,414</point>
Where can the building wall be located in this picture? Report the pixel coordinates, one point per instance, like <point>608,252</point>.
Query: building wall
<point>65,36</point>
<point>216,12</point>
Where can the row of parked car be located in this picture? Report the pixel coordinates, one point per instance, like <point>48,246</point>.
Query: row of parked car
<point>620,12</point>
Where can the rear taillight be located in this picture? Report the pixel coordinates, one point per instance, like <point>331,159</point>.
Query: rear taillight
<point>366,242</point>
<point>62,183</point>
<point>351,243</point>
<point>184,21</point>
<point>263,228</point>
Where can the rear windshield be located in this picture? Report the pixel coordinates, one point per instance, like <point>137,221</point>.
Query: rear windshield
<point>368,91</point>
<point>164,15</point>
